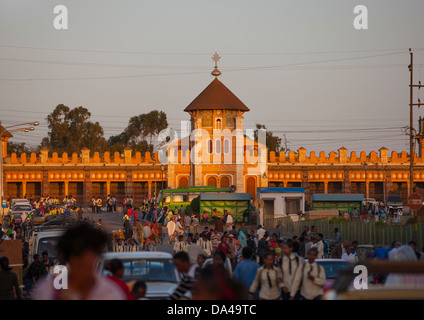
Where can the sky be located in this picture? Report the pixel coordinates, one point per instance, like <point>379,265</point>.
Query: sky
<point>300,66</point>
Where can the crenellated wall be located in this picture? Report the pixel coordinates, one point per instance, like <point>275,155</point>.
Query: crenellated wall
<point>341,157</point>
<point>91,173</point>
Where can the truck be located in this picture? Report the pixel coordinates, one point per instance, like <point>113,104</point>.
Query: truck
<point>45,240</point>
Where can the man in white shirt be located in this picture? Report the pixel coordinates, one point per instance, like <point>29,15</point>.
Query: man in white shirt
<point>260,232</point>
<point>320,246</point>
<point>206,245</point>
<point>180,245</point>
<point>290,263</point>
<point>310,279</point>
<point>349,256</point>
<point>145,234</point>
<point>119,247</point>
<point>194,250</point>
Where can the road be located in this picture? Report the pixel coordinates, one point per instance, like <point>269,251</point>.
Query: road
<point>113,221</point>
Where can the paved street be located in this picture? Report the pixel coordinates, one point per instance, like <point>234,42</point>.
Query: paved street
<point>113,221</point>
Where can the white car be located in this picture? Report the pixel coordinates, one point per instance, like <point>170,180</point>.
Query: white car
<point>156,269</point>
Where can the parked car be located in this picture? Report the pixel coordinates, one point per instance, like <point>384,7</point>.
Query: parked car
<point>394,203</point>
<point>371,201</point>
<point>156,269</point>
<point>409,287</point>
<point>14,202</point>
<point>332,268</point>
<point>20,211</point>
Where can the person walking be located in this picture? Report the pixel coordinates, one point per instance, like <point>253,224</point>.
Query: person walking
<point>36,271</point>
<point>114,203</point>
<point>269,278</point>
<point>204,219</point>
<point>194,250</point>
<point>93,205</point>
<point>206,245</point>
<point>195,224</point>
<point>182,264</point>
<point>262,248</point>
<point>310,279</point>
<point>80,248</point>
<point>229,221</point>
<point>99,204</point>
<point>187,223</point>
<point>145,235</point>
<point>180,245</point>
<point>117,269</point>
<point>139,228</point>
<point>290,264</point>
<point>9,285</point>
<point>246,270</point>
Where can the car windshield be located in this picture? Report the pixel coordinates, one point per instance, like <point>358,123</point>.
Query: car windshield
<point>394,199</point>
<point>48,244</point>
<point>154,270</point>
<point>21,208</point>
<point>332,267</point>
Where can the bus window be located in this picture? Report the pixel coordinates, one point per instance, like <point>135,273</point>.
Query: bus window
<point>167,199</point>
<point>192,195</point>
<point>179,197</point>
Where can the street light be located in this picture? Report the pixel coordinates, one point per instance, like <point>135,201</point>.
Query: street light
<point>366,189</point>
<point>162,169</point>
<point>2,132</point>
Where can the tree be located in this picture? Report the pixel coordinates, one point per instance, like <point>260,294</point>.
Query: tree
<point>71,130</point>
<point>18,148</point>
<point>140,132</point>
<point>273,143</point>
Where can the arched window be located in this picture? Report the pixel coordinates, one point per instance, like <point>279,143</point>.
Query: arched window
<point>212,181</point>
<point>227,146</point>
<point>183,182</point>
<point>218,146</point>
<point>218,124</point>
<point>225,182</point>
<point>210,146</point>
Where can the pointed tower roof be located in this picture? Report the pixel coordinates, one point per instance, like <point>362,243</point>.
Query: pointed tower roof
<point>216,96</point>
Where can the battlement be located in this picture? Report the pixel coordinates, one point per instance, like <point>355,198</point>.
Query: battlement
<point>341,157</point>
<point>183,157</point>
<point>83,158</point>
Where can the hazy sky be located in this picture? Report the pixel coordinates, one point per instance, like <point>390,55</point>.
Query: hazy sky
<point>300,66</point>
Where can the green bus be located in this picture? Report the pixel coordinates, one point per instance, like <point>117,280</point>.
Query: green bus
<point>175,198</point>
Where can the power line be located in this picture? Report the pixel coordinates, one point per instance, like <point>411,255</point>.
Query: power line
<point>200,53</point>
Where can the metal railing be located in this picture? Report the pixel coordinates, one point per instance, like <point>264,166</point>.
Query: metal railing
<point>365,232</point>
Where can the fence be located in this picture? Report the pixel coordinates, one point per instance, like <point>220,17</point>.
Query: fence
<point>363,232</point>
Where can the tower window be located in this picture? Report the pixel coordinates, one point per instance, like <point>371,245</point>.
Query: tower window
<point>218,124</point>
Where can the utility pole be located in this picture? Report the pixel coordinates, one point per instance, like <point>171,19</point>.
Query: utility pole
<point>411,119</point>
<point>411,124</point>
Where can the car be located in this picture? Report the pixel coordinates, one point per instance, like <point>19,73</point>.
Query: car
<point>227,265</point>
<point>370,200</point>
<point>332,268</point>
<point>20,211</point>
<point>156,269</point>
<point>409,285</point>
<point>14,202</point>
<point>394,202</point>
<point>41,241</point>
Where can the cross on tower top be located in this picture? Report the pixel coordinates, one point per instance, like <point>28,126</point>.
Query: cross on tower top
<point>216,58</point>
